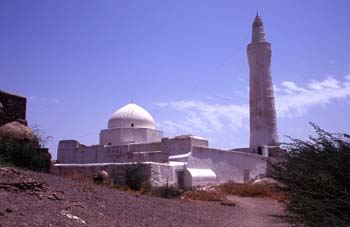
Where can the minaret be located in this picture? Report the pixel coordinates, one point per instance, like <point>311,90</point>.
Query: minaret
<point>263,127</point>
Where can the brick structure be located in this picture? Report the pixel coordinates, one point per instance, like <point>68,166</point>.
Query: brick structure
<point>12,108</point>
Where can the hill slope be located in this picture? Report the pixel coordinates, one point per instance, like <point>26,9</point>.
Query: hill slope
<point>37,199</point>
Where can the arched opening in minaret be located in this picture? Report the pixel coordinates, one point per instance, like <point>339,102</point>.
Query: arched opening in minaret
<point>132,125</point>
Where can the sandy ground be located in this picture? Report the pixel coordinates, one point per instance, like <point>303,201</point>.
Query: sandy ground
<point>258,212</point>
<point>36,199</point>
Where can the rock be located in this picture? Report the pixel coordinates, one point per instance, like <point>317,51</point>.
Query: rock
<point>227,202</point>
<point>100,177</point>
<point>54,197</point>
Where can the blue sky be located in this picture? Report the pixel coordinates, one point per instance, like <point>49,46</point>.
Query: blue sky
<point>184,61</point>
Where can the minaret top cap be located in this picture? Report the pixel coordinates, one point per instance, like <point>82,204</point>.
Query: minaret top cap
<point>258,34</point>
<point>258,21</point>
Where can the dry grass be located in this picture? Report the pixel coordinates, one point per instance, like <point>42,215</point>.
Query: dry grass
<point>77,176</point>
<point>252,190</point>
<point>203,195</point>
<point>84,179</point>
<point>217,194</point>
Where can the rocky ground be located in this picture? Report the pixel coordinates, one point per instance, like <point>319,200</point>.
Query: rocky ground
<point>37,199</point>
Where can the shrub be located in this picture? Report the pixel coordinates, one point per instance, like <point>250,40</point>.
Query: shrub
<point>316,176</point>
<point>134,177</point>
<point>167,192</point>
<point>23,153</point>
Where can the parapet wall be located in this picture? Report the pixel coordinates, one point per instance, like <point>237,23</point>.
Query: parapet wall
<point>70,151</point>
<point>182,144</point>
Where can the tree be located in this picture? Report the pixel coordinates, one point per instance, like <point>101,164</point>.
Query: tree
<point>316,176</point>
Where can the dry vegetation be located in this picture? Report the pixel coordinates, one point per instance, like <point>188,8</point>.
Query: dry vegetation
<point>202,195</point>
<point>253,190</point>
<point>215,193</point>
<point>316,177</point>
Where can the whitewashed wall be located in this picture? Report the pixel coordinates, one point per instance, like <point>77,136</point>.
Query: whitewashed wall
<point>227,165</point>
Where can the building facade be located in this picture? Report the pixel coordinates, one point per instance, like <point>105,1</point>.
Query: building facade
<point>186,161</point>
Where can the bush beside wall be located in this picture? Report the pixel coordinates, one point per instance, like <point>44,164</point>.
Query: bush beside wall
<point>25,154</point>
<point>316,176</point>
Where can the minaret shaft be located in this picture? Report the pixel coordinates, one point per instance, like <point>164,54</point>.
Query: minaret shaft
<point>263,126</point>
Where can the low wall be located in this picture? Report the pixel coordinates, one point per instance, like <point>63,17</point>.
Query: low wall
<point>239,167</point>
<point>159,174</point>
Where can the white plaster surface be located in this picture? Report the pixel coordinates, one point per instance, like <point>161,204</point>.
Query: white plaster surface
<point>131,116</point>
<point>199,177</point>
<point>263,126</point>
<point>119,136</point>
<point>182,144</point>
<point>228,165</point>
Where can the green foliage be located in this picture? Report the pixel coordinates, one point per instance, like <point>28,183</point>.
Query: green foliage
<point>23,153</point>
<point>316,176</point>
<point>136,176</point>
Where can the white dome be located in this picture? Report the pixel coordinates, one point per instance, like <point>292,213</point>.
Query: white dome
<point>131,116</point>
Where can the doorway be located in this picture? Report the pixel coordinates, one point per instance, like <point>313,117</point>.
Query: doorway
<point>180,178</point>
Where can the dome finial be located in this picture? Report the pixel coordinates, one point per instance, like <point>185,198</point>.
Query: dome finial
<point>257,13</point>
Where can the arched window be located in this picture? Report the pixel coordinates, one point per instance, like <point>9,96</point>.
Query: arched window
<point>132,125</point>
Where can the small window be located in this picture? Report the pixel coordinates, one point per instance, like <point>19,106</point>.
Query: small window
<point>109,143</point>
<point>259,150</point>
<point>132,125</point>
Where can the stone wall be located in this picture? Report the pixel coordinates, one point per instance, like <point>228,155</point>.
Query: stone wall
<point>13,108</point>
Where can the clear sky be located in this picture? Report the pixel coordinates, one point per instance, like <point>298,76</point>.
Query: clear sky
<point>184,61</point>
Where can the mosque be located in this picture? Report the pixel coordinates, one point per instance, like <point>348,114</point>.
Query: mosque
<point>186,161</point>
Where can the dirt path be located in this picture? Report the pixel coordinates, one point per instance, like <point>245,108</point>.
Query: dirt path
<point>257,212</point>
